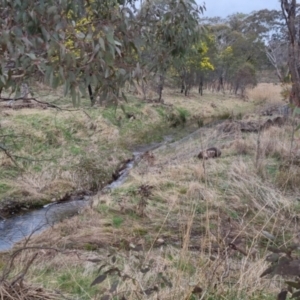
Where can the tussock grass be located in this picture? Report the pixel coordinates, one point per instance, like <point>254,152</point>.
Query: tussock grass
<point>204,224</point>
<point>209,105</point>
<point>195,210</point>
<point>63,151</point>
<point>265,93</point>
<point>58,152</point>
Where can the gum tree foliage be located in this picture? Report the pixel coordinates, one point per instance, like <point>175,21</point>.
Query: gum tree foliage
<point>236,50</point>
<point>194,66</point>
<point>280,32</point>
<point>170,28</point>
<point>63,42</point>
<point>269,26</point>
<point>88,43</point>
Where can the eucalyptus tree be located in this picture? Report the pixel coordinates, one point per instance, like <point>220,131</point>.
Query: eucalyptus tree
<point>169,29</point>
<point>193,67</point>
<point>77,44</point>
<point>238,49</point>
<point>95,43</point>
<point>269,27</point>
<point>72,43</point>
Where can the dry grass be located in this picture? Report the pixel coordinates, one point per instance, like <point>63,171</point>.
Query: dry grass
<point>265,93</point>
<point>58,152</point>
<point>75,150</point>
<point>196,209</point>
<point>26,292</point>
<point>209,105</point>
<point>205,224</point>
<point>63,151</point>
<point>218,104</point>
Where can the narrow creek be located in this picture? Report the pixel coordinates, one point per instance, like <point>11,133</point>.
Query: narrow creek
<point>21,226</point>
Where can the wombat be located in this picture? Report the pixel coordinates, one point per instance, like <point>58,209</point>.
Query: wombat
<point>212,152</point>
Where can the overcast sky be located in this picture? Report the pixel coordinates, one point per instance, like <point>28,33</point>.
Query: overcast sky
<point>223,8</point>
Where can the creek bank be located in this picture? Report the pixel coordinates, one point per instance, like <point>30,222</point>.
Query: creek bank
<point>32,222</point>
<point>12,207</point>
<point>15,206</point>
<point>251,126</point>
<point>22,222</point>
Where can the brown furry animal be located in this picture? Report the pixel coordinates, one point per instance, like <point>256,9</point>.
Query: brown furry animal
<point>212,152</point>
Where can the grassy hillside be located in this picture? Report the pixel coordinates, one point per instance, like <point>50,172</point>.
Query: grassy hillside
<point>58,151</point>
<point>179,227</point>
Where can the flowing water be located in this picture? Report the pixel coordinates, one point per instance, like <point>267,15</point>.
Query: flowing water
<point>24,225</point>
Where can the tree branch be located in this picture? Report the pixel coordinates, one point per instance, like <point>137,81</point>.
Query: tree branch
<point>8,267</point>
<point>20,277</point>
<point>3,148</point>
<point>3,99</point>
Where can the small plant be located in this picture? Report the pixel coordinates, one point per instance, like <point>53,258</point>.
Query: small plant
<point>183,115</point>
<point>145,192</point>
<point>200,122</point>
<point>286,91</point>
<point>4,187</point>
<point>92,173</point>
<point>109,268</point>
<point>117,221</point>
<point>90,247</point>
<point>178,117</point>
<point>15,287</point>
<point>225,116</point>
<point>284,264</point>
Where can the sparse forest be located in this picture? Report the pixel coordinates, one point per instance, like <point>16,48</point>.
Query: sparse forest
<point>99,46</point>
<point>148,151</point>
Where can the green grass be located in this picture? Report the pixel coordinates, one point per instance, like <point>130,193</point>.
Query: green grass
<point>140,231</point>
<point>110,113</point>
<point>85,148</point>
<point>272,170</point>
<point>72,282</point>
<point>185,266</point>
<point>75,281</point>
<point>233,214</point>
<point>9,173</point>
<point>117,221</point>
<point>4,188</point>
<point>233,296</point>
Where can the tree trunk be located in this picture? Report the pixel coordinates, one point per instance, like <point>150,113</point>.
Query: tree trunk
<point>294,70</point>
<point>183,81</point>
<point>91,95</point>
<point>200,90</point>
<point>24,89</point>
<point>182,86</point>
<point>272,59</point>
<point>161,86</point>
<point>289,12</point>
<point>237,86</point>
<point>186,91</point>
<point>144,90</point>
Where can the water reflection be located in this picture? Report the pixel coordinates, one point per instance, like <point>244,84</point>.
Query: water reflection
<point>16,228</point>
